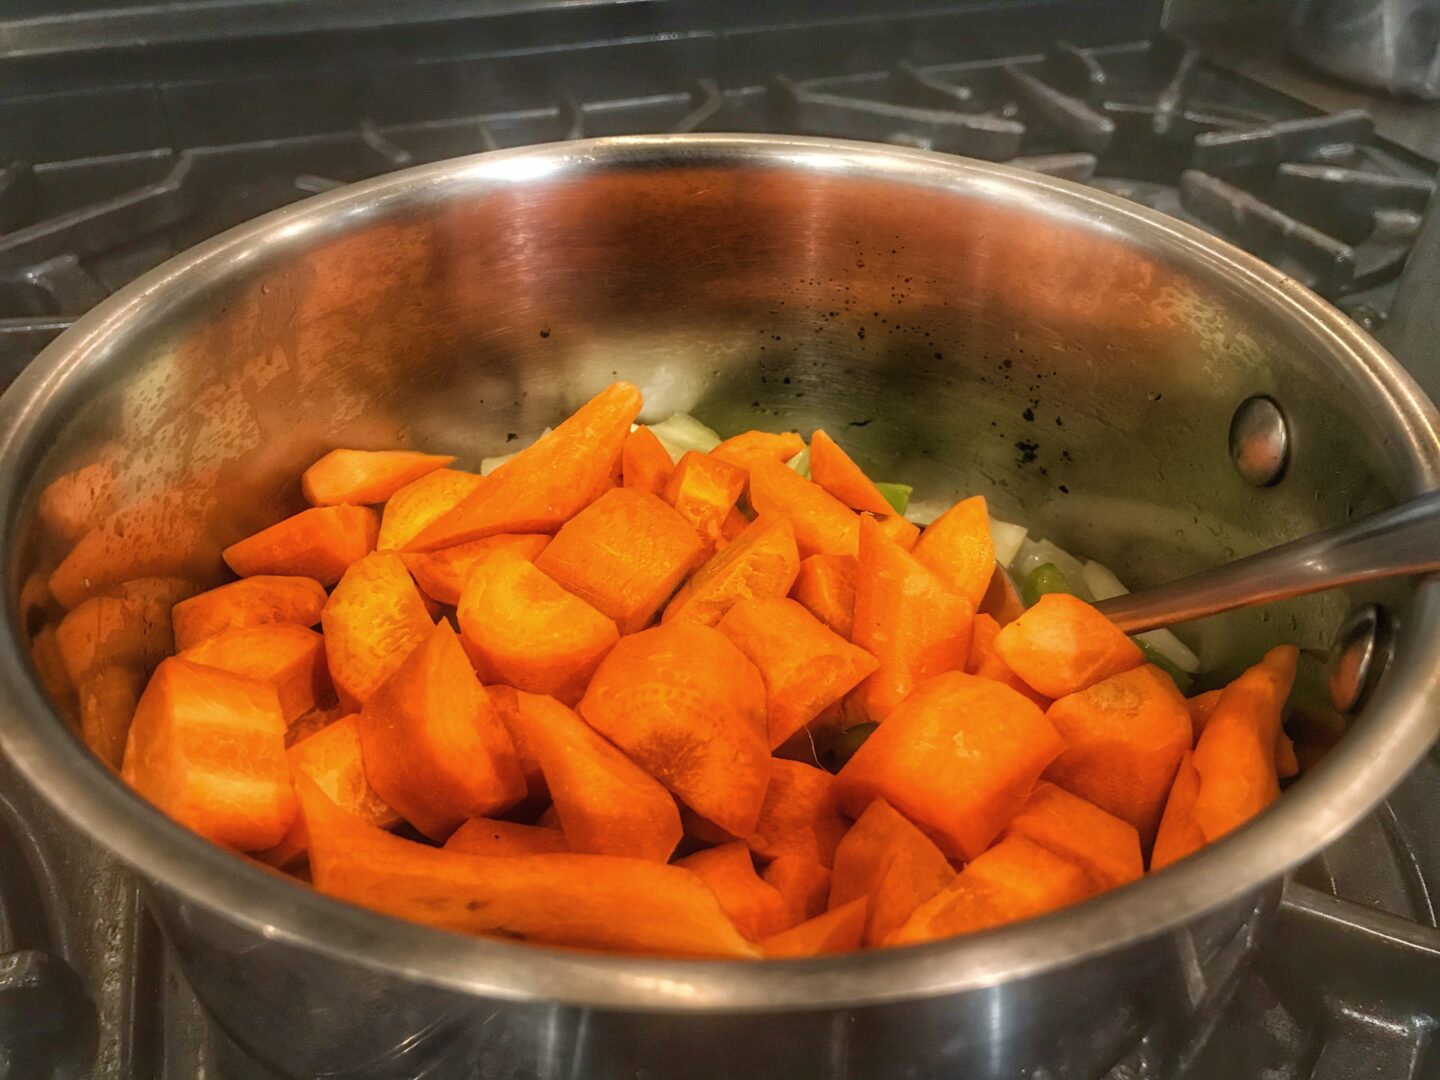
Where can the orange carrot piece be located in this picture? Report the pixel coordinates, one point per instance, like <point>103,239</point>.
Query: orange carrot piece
<point>837,473</point>
<point>1124,738</point>
<point>1002,600</point>
<point>106,701</point>
<point>735,523</point>
<point>313,721</point>
<point>800,815</point>
<point>486,836</point>
<point>985,661</point>
<point>704,490</point>
<point>757,909</point>
<point>900,529</point>
<point>129,627</point>
<point>1179,833</point>
<point>585,901</point>
<point>607,804</point>
<point>1201,706</point>
<point>433,745</point>
<point>826,586</point>
<point>362,477</point>
<point>836,931</point>
<point>54,678</point>
<point>806,666</point>
<point>748,445</point>
<point>252,601</point>
<point>958,758</point>
<point>441,574</point>
<point>1287,764</point>
<point>422,502</point>
<point>76,502</point>
<point>822,523</point>
<point>521,628</point>
<point>761,562</point>
<point>957,546</point>
<point>320,543</point>
<point>906,618</point>
<point>506,700</point>
<point>886,858</point>
<point>804,883</point>
<point>644,462</point>
<point>688,708</point>
<point>372,621</point>
<point>208,748</point>
<point>1062,645</point>
<point>288,657</point>
<point>548,482</point>
<point>625,554</point>
<point>1104,846</point>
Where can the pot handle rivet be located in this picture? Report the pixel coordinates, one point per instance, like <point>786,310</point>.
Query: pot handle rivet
<point>1259,441</point>
<point>1359,657</point>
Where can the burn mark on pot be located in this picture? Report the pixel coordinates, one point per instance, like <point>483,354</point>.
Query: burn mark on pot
<point>1028,451</point>
<point>1064,490</point>
<point>545,332</point>
<point>1028,413</point>
<point>511,436</point>
<point>859,423</point>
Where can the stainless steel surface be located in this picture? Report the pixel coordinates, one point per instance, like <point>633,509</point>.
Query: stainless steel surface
<point>1259,441</point>
<point>917,304</point>
<point>1358,658</point>
<point>1399,542</point>
<point>1413,330</point>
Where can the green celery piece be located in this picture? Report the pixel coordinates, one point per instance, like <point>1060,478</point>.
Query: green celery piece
<point>1183,679</point>
<point>1044,579</point>
<point>897,495</point>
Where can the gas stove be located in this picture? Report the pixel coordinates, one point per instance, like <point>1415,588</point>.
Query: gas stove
<point>211,118</point>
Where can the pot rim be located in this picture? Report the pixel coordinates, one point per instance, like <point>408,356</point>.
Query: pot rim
<point>1394,731</point>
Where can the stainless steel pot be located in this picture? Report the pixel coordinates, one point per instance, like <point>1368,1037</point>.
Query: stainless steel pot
<point>961,326</point>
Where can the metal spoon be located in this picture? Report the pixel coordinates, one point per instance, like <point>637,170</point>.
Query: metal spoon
<point>1397,542</point>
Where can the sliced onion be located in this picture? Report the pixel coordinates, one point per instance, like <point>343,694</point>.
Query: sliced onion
<point>1007,538</point>
<point>681,432</point>
<point>801,462</point>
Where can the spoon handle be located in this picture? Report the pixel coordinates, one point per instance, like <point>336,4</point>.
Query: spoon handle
<point>1393,543</point>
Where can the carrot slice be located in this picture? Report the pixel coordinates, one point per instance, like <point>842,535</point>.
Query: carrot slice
<point>422,502</point>
<point>822,523</point>
<point>761,562</point>
<point>441,574</point>
<point>704,490</point>
<point>1002,599</point>
<point>735,523</point>
<point>1179,833</point>
<point>76,502</point>
<point>548,482</point>
<point>907,619</point>
<point>290,658</point>
<point>757,909</point>
<point>804,883</point>
<point>320,543</point>
<point>372,621</point>
<point>506,700</point>
<point>834,931</point>
<point>433,745</point>
<point>957,546</point>
<point>748,445</point>
<point>130,627</point>
<point>365,476</point>
<point>837,473</point>
<point>900,529</point>
<point>826,586</point>
<point>208,748</point>
<point>252,601</point>
<point>1062,645</point>
<point>887,859</point>
<point>688,708</point>
<point>800,815</point>
<point>958,758</point>
<point>586,901</point>
<point>1124,738</point>
<point>106,701</point>
<point>644,462</point>
<point>1105,847</point>
<point>985,661</point>
<point>486,836</point>
<point>54,678</point>
<point>806,666</point>
<point>522,628</point>
<point>1201,706</point>
<point>607,804</point>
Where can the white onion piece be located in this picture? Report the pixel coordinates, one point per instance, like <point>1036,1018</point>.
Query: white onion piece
<point>1007,538</point>
<point>682,432</point>
<point>1104,584</point>
<point>801,462</point>
<point>1035,553</point>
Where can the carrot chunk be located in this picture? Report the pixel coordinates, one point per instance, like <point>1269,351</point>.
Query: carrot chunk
<point>422,502</point>
<point>900,529</point>
<point>1104,846</point>
<point>208,748</point>
<point>76,502</point>
<point>129,627</point>
<point>907,619</point>
<point>320,543</point>
<point>743,448</point>
<point>441,574</point>
<point>1062,645</point>
<point>985,661</point>
<point>506,700</point>
<point>822,523</point>
<point>253,601</point>
<point>1002,600</point>
<point>688,708</point>
<point>800,815</point>
<point>761,562</point>
<point>106,700</point>
<point>644,462</point>
<point>958,758</point>
<point>486,836</point>
<point>49,665</point>
<point>314,720</point>
<point>756,908</point>
<point>548,482</point>
<point>826,586</point>
<point>888,860</point>
<point>806,666</point>
<point>433,746</point>
<point>360,477</point>
<point>1201,706</point>
<point>522,628</point>
<point>290,658</point>
<point>704,490</point>
<point>735,523</point>
<point>804,883</point>
<point>957,546</point>
<point>833,470</point>
<point>1179,833</point>
<point>372,620</point>
<point>836,931</point>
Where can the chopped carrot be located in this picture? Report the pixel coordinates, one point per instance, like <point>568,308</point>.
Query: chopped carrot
<point>129,627</point>
<point>833,470</point>
<point>625,554</point>
<point>106,700</point>
<point>1062,645</point>
<point>957,546</point>
<point>985,661</point>
<point>54,678</point>
<point>422,502</point>
<point>487,836</point>
<point>521,628</point>
<point>72,504</point>
<point>433,745</point>
<point>550,819</point>
<point>586,901</point>
<point>826,586</point>
<point>1287,764</point>
<point>361,477</point>
<point>506,700</point>
<point>314,720</point>
<point>735,523</point>
<point>1002,600</point>
<point>800,815</point>
<point>441,574</point>
<point>704,490</point>
<point>644,462</point>
<point>822,523</point>
<point>835,931</point>
<point>886,858</point>
<point>757,909</point>
<point>761,562</point>
<point>372,621</point>
<point>607,804</point>
<point>1201,706</point>
<point>701,832</point>
<point>958,758</point>
<point>208,748</point>
<point>288,657</point>
<point>1102,845</point>
<point>906,618</point>
<point>1124,738</point>
<point>320,543</point>
<point>548,482</point>
<point>743,448</point>
<point>252,601</point>
<point>806,666</point>
<point>688,708</point>
<point>804,883</point>
<point>900,529</point>
<point>1179,833</point>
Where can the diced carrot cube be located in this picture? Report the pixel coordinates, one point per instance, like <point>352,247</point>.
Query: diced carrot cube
<point>804,883</point>
<point>836,931</point>
<point>506,700</point>
<point>130,627</point>
<point>900,529</point>
<point>756,908</point>
<point>743,448</point>
<point>906,618</point>
<point>1105,847</point>
<point>548,482</point>
<point>76,502</point>
<point>288,657</point>
<point>826,586</point>
<point>372,621</point>
<point>958,758</point>
<point>107,697</point>
<point>688,707</point>
<point>800,815</point>
<point>422,502</point>
<point>441,574</point>
<point>320,543</point>
<point>486,836</point>
<point>1002,600</point>
<point>833,470</point>
<point>806,666</point>
<point>1179,833</point>
<point>885,858</point>
<point>822,523</point>
<point>433,745</point>
<point>761,562</point>
<point>208,748</point>
<point>1062,645</point>
<point>958,547</point>
<point>362,477</point>
<point>253,601</point>
<point>1201,706</point>
<point>644,462</point>
<point>704,490</point>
